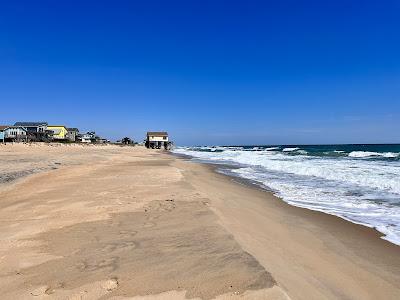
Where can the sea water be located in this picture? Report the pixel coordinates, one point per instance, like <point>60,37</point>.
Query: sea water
<point>360,183</point>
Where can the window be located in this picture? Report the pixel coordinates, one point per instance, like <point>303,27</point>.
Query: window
<point>164,137</point>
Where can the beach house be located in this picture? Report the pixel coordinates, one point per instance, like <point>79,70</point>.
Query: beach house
<point>88,137</point>
<point>15,134</point>
<point>37,127</point>
<point>2,137</point>
<point>60,132</point>
<point>35,131</point>
<point>157,140</point>
<point>72,134</point>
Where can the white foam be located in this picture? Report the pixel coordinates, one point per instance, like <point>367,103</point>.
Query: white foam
<point>364,191</point>
<point>271,148</point>
<point>302,151</point>
<point>363,154</point>
<point>290,149</point>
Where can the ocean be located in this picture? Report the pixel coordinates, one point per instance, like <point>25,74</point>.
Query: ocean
<point>360,183</point>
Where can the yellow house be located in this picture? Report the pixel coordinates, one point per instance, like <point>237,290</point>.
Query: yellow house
<point>59,132</point>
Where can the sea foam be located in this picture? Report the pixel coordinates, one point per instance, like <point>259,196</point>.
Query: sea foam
<point>290,149</point>
<point>372,154</point>
<point>355,187</point>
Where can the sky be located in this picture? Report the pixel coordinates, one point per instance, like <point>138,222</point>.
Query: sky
<point>208,72</point>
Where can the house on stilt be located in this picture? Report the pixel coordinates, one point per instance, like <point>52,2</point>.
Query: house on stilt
<point>158,140</point>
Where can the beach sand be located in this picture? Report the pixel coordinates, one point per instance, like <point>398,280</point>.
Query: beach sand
<point>110,222</point>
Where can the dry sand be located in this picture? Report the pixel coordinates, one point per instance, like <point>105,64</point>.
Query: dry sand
<point>101,222</point>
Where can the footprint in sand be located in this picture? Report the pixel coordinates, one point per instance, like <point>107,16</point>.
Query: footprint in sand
<point>111,263</point>
<point>119,246</point>
<point>110,284</point>
<point>128,233</point>
<point>153,218</point>
<point>149,224</point>
<point>128,245</point>
<point>109,248</point>
<point>40,291</point>
<point>168,206</point>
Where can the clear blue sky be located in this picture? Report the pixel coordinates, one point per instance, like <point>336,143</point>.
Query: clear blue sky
<point>209,72</point>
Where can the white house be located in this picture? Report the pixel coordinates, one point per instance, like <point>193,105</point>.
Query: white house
<point>87,137</point>
<point>15,133</point>
<point>157,139</point>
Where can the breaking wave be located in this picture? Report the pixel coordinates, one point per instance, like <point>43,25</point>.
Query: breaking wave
<point>357,185</point>
<point>373,154</point>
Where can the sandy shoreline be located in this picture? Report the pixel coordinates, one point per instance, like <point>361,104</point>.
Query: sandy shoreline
<point>121,222</point>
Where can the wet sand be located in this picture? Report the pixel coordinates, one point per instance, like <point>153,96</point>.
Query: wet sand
<point>130,223</point>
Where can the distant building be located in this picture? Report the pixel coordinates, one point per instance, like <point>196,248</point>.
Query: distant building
<point>100,140</point>
<point>15,133</point>
<point>37,127</point>
<point>88,137</point>
<point>157,140</point>
<point>36,131</point>
<point>72,134</point>
<point>2,136</point>
<point>60,132</point>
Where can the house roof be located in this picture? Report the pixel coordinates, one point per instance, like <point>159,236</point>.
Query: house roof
<point>2,127</point>
<point>157,133</point>
<point>73,129</point>
<point>15,127</point>
<point>56,126</point>
<point>30,124</point>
